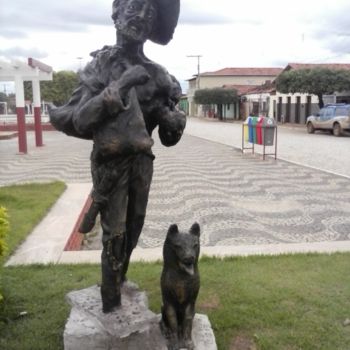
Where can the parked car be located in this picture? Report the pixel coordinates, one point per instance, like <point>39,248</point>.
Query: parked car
<point>333,117</point>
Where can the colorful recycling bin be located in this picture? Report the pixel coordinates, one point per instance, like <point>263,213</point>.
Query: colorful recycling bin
<point>254,124</point>
<point>259,137</point>
<point>246,130</point>
<point>251,130</point>
<point>268,127</point>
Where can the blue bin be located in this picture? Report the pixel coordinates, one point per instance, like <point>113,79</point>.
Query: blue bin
<point>251,129</point>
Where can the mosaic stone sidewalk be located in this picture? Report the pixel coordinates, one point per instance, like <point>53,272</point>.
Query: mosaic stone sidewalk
<point>242,200</point>
<point>237,199</point>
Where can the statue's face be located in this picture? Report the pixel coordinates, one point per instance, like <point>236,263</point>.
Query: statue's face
<point>135,19</point>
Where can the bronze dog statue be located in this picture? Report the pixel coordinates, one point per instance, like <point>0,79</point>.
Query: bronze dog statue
<point>180,286</point>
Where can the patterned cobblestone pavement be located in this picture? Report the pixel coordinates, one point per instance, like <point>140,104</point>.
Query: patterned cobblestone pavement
<point>62,158</point>
<point>237,199</point>
<point>240,200</point>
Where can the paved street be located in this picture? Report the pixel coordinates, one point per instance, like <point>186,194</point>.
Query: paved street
<point>320,150</point>
<point>67,158</point>
<point>238,199</point>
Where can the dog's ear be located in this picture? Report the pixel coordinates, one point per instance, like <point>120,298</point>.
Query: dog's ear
<point>195,229</point>
<point>173,229</point>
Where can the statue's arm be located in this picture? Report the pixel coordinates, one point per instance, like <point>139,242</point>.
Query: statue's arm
<point>90,111</point>
<point>79,116</point>
<point>87,109</point>
<point>62,118</point>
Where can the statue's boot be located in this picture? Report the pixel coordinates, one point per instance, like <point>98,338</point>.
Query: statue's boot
<point>112,262</point>
<point>111,297</point>
<point>89,218</point>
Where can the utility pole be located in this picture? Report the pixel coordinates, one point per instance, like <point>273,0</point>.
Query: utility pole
<point>198,68</point>
<point>80,65</point>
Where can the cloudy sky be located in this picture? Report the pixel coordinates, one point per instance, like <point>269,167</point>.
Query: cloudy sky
<point>227,33</point>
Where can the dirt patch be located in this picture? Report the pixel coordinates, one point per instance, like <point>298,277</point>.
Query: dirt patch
<point>242,342</point>
<point>211,303</point>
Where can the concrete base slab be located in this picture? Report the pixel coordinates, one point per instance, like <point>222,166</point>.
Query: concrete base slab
<point>155,254</point>
<point>131,327</point>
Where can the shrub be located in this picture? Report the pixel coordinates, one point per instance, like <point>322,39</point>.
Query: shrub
<point>4,227</point>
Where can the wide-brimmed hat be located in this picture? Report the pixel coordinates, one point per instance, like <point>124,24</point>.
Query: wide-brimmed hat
<point>167,16</point>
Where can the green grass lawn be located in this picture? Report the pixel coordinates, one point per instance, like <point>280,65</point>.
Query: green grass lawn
<point>27,205</point>
<point>287,302</point>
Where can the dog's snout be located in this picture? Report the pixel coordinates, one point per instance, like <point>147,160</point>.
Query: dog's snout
<point>189,260</point>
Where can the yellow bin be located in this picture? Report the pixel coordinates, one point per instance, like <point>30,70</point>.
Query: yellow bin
<point>246,130</point>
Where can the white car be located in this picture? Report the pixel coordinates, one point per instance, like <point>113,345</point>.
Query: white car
<point>334,117</point>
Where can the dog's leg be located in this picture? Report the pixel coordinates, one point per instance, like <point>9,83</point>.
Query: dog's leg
<point>187,327</point>
<point>169,326</point>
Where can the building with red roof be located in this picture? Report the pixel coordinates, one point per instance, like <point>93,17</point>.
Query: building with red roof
<point>258,96</point>
<point>238,78</point>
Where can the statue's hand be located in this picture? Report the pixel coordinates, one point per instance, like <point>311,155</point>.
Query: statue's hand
<point>136,75</point>
<point>117,91</point>
<point>112,99</point>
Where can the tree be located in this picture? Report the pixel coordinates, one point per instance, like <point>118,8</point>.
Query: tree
<point>58,90</point>
<point>315,81</point>
<point>216,96</point>
<point>3,97</point>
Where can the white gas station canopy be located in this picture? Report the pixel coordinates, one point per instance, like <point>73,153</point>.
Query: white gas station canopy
<point>31,70</point>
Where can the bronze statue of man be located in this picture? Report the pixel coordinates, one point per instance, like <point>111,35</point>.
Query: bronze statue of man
<point>121,98</point>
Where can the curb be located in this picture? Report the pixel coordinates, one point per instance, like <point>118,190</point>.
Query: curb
<point>8,135</point>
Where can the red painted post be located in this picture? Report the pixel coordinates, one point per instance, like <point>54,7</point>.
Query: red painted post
<point>21,118</point>
<point>22,134</point>
<point>37,113</point>
<point>37,127</point>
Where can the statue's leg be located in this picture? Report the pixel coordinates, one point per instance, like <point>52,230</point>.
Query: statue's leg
<point>113,217</point>
<point>112,259</point>
<point>139,186</point>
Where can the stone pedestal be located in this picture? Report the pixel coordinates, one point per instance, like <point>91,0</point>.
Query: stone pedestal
<point>131,327</point>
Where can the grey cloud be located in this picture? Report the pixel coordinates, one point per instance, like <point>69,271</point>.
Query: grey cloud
<point>339,44</point>
<point>12,33</point>
<point>333,23</point>
<point>41,15</point>
<point>197,16</point>
<point>19,52</point>
<point>330,27</point>
<point>282,63</point>
<point>20,17</point>
<point>202,18</point>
